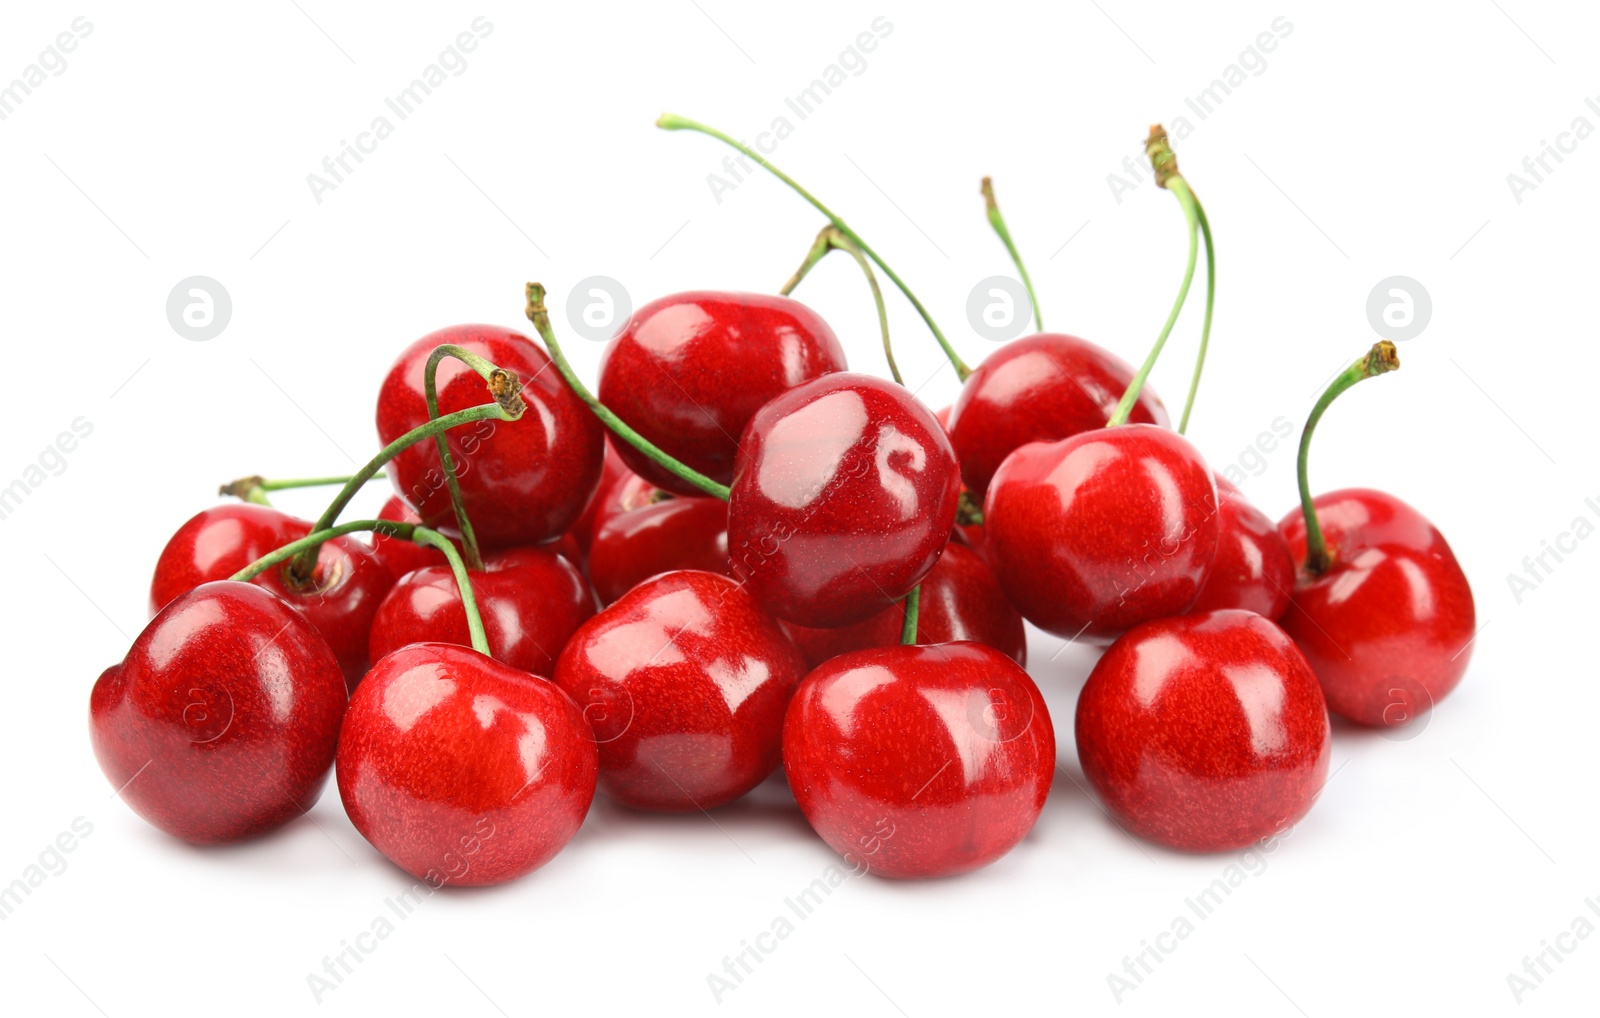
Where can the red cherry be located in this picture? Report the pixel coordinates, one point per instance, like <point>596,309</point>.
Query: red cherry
<point>1252,570</point>
<point>524,481</point>
<point>1091,535</point>
<point>1387,628</point>
<point>960,600</point>
<point>531,600</point>
<point>684,681</point>
<point>843,498</point>
<point>680,533</point>
<point>461,769</point>
<point>920,761</point>
<point>340,599</point>
<point>1040,388</point>
<point>220,724</point>
<point>1204,732</point>
<point>611,472</point>
<point>628,493</point>
<point>400,555</point>
<point>689,371</point>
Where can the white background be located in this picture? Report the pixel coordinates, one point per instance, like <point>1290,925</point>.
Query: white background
<point>1376,141</point>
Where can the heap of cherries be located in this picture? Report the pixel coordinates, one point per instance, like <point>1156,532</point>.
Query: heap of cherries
<point>739,553</point>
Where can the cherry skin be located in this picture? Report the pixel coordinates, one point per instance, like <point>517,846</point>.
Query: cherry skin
<point>684,681</point>
<point>221,722</point>
<point>1091,535</point>
<point>960,600</point>
<point>522,482</point>
<point>398,554</point>
<point>843,498</point>
<point>1252,570</point>
<point>613,470</point>
<point>688,372</point>
<point>679,533</point>
<point>1040,388</point>
<point>1388,627</point>
<point>920,761</point>
<point>1204,732</point>
<point>340,598</point>
<point>531,601</point>
<point>461,769</point>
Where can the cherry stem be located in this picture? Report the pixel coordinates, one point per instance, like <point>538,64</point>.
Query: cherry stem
<point>832,239</point>
<point>1166,167</point>
<point>1381,359</point>
<point>388,528</point>
<point>969,512</point>
<point>508,407</point>
<point>540,317</point>
<point>908,629</point>
<point>998,222</point>
<point>673,122</point>
<point>1205,329</point>
<point>255,487</point>
<point>430,388</point>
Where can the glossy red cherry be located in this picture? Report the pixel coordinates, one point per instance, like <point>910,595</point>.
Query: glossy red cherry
<point>340,598</point>
<point>1204,732</point>
<point>1040,388</point>
<point>689,371</point>
<point>400,555</point>
<point>522,482</point>
<point>1252,570</point>
<point>612,471</point>
<point>843,498</point>
<point>960,600</point>
<point>461,769</point>
<point>1096,533</point>
<point>920,761</point>
<point>684,681</point>
<point>679,533</point>
<point>531,601</point>
<point>1388,627</point>
<point>220,724</point>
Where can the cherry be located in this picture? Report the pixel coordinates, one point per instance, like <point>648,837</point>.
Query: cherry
<point>843,498</point>
<point>679,533</point>
<point>920,761</point>
<point>1096,533</point>
<point>1252,570</point>
<point>524,481</point>
<point>688,372</point>
<point>685,681</point>
<point>1388,626</point>
<point>1204,732</point>
<point>461,769</point>
<point>399,555</point>
<point>340,597</point>
<point>613,471</point>
<point>1040,388</point>
<point>960,600</point>
<point>1381,608</point>
<point>532,601</point>
<point>220,723</point>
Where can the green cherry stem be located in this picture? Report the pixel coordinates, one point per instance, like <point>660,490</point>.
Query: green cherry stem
<point>908,629</point>
<point>430,387</point>
<point>673,122</point>
<point>1205,329</point>
<point>831,238</point>
<point>508,406</point>
<point>1166,167</point>
<point>255,487</point>
<point>389,528</point>
<point>540,317</point>
<point>1381,359</point>
<point>998,222</point>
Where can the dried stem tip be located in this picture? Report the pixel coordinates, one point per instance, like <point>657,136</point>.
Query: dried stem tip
<point>1162,159</point>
